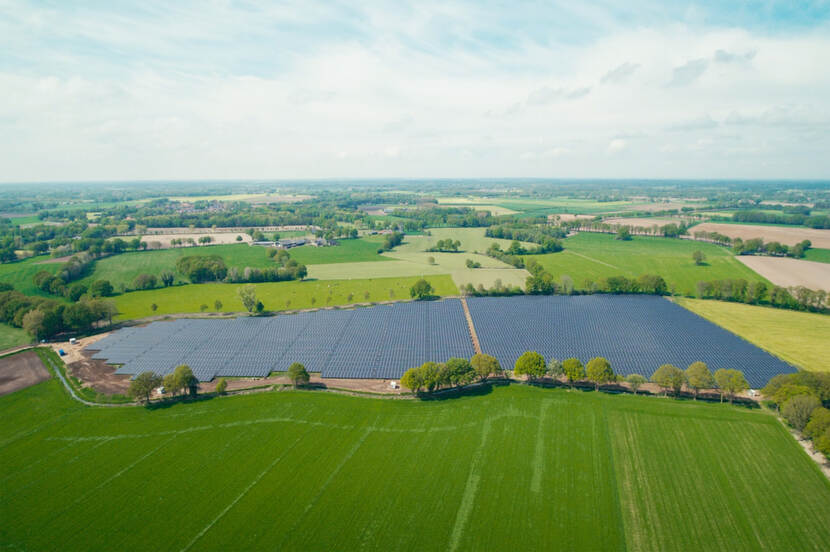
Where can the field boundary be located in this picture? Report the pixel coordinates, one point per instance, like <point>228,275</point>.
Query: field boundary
<point>470,326</point>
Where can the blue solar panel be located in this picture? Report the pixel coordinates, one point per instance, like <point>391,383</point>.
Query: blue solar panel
<point>635,333</point>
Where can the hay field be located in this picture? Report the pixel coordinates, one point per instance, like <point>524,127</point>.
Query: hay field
<point>787,272</point>
<point>516,468</point>
<point>799,338</point>
<point>789,235</point>
<point>13,337</point>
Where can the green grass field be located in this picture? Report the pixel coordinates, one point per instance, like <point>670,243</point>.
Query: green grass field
<point>515,468</point>
<point>412,259</point>
<point>20,273</point>
<point>12,337</point>
<point>594,256</point>
<point>818,255</point>
<point>274,295</point>
<point>123,268</point>
<point>799,338</point>
<point>536,207</point>
<point>347,251</point>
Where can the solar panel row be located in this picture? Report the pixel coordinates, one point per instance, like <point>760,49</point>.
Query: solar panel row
<point>635,333</point>
<point>378,342</point>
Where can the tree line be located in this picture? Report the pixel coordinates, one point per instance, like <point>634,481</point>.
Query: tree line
<point>44,318</point>
<point>432,376</point>
<point>802,399</point>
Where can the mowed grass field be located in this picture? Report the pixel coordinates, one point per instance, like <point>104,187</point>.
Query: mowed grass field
<point>817,255</point>
<point>20,273</point>
<point>13,337</point>
<point>514,468</point>
<point>800,338</point>
<point>411,259</point>
<point>593,256</point>
<point>276,296</point>
<point>123,268</point>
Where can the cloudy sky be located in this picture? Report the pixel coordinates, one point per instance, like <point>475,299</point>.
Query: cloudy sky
<point>227,89</point>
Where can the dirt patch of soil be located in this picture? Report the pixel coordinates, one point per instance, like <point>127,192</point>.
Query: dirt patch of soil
<point>56,260</point>
<point>788,272</point>
<point>565,217</point>
<point>359,385</point>
<point>781,234</point>
<point>98,375</point>
<point>643,222</point>
<point>20,371</point>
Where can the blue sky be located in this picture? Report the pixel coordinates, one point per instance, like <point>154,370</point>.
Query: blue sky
<point>120,90</point>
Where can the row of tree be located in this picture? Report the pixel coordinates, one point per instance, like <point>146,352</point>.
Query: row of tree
<point>447,245</point>
<point>802,399</point>
<point>431,376</point>
<point>738,289</point>
<point>801,218</point>
<point>44,318</point>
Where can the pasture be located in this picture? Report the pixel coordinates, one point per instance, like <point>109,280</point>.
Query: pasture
<point>12,337</point>
<point>593,256</point>
<point>503,468</point>
<point>817,255</point>
<point>20,273</point>
<point>276,296</point>
<point>800,338</point>
<point>122,269</point>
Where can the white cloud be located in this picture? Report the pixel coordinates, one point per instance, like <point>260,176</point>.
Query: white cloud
<point>617,145</point>
<point>406,91</point>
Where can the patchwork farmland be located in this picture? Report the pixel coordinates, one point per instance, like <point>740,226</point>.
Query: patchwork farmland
<point>636,333</point>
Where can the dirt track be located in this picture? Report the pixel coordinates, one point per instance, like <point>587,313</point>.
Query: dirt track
<point>786,272</point>
<point>781,234</point>
<point>20,371</point>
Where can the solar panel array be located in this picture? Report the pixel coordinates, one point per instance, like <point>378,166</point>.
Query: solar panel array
<point>635,333</point>
<point>381,342</point>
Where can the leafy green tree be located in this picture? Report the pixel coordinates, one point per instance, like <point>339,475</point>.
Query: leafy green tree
<point>154,307</point>
<point>485,366</point>
<point>788,391</point>
<point>730,382</point>
<point>623,233</point>
<point>669,376</point>
<point>699,257</point>
<point>818,424</point>
<point>298,374</point>
<point>530,364</point>
<point>142,386</point>
<point>798,409</point>
<point>699,377</point>
<point>421,290</point>
<point>167,278</point>
<point>247,294</point>
<point>170,384</point>
<point>555,369</point>
<point>34,323</point>
<point>101,288</point>
<point>221,386</point>
<point>185,380</point>
<point>217,305</point>
<point>598,370</point>
<point>413,379</point>
<point>574,370</point>
<point>460,371</point>
<point>635,381</point>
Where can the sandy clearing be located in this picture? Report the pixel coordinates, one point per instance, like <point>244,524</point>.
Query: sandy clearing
<point>218,238</point>
<point>644,222</point>
<point>20,371</point>
<point>786,272</point>
<point>782,234</point>
<point>565,217</point>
